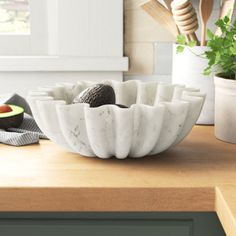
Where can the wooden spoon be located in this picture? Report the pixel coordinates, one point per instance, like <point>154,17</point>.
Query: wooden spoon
<point>183,12</point>
<point>164,17</point>
<point>205,10</point>
<point>227,8</point>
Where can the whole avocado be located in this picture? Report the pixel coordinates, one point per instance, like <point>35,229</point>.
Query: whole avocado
<point>97,95</point>
<point>121,106</point>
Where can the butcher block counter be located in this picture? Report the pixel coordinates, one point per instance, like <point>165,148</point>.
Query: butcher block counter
<point>198,175</point>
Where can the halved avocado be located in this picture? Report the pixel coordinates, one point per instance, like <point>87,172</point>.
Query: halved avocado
<point>12,119</point>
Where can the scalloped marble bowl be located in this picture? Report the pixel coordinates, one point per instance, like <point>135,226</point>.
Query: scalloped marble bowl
<point>159,116</point>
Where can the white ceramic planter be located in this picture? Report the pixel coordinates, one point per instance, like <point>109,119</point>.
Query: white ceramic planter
<point>188,69</point>
<point>225,109</point>
<point>159,116</point>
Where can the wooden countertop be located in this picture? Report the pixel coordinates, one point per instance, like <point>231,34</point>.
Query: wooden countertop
<point>197,175</point>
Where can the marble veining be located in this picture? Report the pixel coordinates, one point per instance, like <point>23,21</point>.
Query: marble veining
<point>159,116</point>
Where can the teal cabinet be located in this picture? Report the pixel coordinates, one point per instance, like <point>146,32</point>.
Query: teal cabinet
<point>107,224</point>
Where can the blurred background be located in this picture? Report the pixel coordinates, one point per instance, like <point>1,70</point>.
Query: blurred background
<point>14,16</point>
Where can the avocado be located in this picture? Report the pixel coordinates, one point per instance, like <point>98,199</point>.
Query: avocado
<point>97,95</point>
<point>121,106</point>
<point>11,118</point>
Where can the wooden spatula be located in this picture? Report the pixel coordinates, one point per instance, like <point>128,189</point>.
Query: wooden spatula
<point>227,8</point>
<point>159,13</point>
<point>205,10</point>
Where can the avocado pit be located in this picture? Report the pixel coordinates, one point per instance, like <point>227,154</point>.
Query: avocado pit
<point>5,108</point>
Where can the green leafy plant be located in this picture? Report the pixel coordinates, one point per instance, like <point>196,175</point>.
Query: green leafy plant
<point>182,43</point>
<point>221,54</point>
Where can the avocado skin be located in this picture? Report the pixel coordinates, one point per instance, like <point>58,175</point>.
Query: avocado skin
<point>121,106</point>
<point>97,95</point>
<point>11,121</point>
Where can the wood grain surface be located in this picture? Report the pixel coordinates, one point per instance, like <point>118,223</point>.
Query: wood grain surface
<point>197,175</point>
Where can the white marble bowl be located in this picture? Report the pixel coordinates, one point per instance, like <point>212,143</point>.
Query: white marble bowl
<point>159,116</point>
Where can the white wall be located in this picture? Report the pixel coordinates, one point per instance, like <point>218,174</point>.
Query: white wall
<point>23,82</point>
<point>84,41</point>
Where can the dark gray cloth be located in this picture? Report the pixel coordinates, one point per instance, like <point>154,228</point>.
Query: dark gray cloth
<point>27,133</point>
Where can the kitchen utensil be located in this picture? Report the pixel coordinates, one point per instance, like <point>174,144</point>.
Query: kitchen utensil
<point>168,6</point>
<point>158,117</point>
<point>227,8</point>
<point>205,10</point>
<point>164,17</point>
<point>185,18</point>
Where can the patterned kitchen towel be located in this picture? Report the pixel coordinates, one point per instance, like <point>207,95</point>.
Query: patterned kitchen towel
<point>27,133</point>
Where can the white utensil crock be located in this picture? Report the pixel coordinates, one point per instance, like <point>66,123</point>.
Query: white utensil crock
<point>188,69</point>
<point>225,109</point>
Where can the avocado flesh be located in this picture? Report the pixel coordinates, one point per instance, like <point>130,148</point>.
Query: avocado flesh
<point>12,119</point>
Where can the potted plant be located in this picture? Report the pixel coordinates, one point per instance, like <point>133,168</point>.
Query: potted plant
<point>222,61</point>
<point>220,55</point>
<point>187,68</point>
